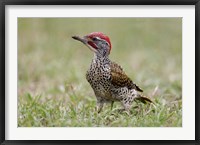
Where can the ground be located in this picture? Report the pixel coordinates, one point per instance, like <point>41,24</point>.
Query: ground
<point>53,91</point>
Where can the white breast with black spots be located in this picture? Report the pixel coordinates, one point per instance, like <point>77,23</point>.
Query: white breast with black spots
<point>99,76</point>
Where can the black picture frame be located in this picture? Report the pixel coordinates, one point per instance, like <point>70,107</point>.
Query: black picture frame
<point>3,72</point>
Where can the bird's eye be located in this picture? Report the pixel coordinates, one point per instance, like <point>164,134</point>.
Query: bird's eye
<point>94,39</point>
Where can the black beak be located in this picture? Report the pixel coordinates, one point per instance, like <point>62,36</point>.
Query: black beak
<point>81,39</point>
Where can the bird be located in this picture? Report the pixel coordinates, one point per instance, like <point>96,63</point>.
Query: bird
<point>108,79</point>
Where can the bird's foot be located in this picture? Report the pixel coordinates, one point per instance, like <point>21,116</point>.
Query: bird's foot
<point>98,109</point>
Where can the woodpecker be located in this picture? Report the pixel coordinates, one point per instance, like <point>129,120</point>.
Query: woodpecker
<point>107,79</point>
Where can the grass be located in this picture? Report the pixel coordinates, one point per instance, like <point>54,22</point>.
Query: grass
<point>53,91</point>
<point>79,113</point>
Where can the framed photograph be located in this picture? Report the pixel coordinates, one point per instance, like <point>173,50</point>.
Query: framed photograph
<point>100,72</point>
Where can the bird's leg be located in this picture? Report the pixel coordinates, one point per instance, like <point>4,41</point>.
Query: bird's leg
<point>127,103</point>
<point>99,104</point>
<point>112,104</point>
<point>99,107</point>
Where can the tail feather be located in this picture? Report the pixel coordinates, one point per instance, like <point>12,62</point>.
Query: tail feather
<point>144,99</point>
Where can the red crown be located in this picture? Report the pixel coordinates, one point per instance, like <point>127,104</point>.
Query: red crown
<point>100,35</point>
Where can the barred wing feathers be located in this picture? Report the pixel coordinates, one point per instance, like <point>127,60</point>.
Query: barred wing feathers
<point>120,79</point>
